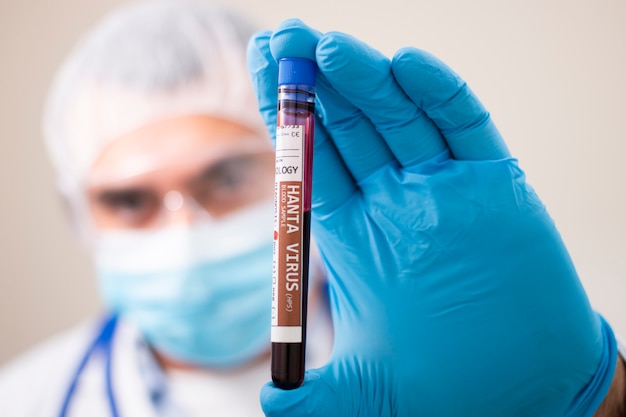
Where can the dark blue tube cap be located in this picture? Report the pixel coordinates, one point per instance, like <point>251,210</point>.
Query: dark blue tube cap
<point>296,71</point>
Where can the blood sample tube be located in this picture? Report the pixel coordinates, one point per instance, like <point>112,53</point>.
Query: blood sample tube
<point>292,219</point>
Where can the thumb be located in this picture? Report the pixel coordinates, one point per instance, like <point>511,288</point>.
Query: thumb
<point>263,71</point>
<point>315,397</point>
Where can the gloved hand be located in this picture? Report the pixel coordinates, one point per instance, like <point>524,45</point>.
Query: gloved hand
<point>452,293</point>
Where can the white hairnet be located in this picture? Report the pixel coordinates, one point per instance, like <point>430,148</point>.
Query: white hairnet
<point>142,63</point>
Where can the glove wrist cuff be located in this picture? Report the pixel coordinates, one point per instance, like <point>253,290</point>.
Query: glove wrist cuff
<point>591,396</point>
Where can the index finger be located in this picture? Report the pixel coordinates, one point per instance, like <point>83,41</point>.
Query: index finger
<point>447,100</point>
<point>363,76</point>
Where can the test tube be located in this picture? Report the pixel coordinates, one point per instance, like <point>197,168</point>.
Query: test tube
<point>292,219</point>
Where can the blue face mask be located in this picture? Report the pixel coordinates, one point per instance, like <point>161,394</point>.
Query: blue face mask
<point>200,294</point>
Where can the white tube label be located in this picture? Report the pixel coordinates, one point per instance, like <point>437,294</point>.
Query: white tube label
<point>288,236</point>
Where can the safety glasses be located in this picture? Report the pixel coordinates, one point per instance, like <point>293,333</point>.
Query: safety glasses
<point>199,187</point>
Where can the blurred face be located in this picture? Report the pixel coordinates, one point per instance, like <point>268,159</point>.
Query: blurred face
<point>179,170</point>
<point>184,286</point>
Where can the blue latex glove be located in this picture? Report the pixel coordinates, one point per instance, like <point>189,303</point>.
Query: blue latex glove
<point>452,293</point>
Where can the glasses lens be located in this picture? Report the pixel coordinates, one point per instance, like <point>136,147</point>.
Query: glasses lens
<point>125,207</point>
<point>235,182</point>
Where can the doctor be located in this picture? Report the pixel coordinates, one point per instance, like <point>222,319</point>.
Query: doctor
<point>168,173</point>
<point>451,290</point>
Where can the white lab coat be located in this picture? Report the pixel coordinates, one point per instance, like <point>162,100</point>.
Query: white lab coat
<point>35,383</point>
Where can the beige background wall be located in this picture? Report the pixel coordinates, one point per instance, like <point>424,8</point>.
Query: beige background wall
<point>551,72</point>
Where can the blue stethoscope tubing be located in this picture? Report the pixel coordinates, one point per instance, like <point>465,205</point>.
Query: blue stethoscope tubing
<point>102,343</point>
